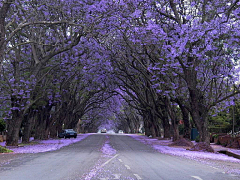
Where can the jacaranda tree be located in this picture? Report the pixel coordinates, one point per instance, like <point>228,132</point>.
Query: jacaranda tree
<point>62,59</point>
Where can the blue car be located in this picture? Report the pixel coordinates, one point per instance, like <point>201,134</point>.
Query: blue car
<point>67,133</point>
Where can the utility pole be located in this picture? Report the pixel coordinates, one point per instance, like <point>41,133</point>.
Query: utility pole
<point>234,100</point>
<point>233,117</point>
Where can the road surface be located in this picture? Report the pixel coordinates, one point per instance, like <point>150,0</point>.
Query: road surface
<point>121,158</point>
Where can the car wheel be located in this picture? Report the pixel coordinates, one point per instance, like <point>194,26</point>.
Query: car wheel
<point>65,137</point>
<point>75,136</point>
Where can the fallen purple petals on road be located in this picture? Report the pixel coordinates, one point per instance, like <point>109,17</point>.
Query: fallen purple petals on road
<point>108,150</point>
<point>46,145</point>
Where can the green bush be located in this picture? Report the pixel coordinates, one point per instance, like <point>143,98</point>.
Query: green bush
<point>4,150</point>
<point>197,139</point>
<point>2,125</point>
<point>215,135</point>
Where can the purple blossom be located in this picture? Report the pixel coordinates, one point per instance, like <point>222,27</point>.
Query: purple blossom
<point>15,108</point>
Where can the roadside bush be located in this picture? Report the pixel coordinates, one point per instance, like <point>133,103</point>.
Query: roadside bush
<point>2,125</point>
<point>197,139</point>
<point>4,150</point>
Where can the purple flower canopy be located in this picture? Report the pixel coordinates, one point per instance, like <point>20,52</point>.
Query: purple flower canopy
<point>72,60</point>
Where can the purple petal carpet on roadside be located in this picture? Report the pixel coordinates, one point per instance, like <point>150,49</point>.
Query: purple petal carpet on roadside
<point>46,145</point>
<point>162,146</point>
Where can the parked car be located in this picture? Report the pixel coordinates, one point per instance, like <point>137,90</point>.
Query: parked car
<point>67,133</point>
<point>104,131</point>
<point>120,132</point>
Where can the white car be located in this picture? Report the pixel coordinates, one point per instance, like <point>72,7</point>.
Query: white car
<point>120,132</point>
<point>104,131</point>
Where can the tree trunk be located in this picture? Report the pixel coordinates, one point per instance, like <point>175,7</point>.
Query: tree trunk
<point>53,131</point>
<point>13,128</point>
<point>175,131</point>
<point>197,107</point>
<point>53,127</point>
<point>200,118</point>
<point>153,131</point>
<point>166,128</point>
<point>187,125</point>
<point>27,128</point>
<point>204,135</point>
<point>43,123</point>
<point>147,128</point>
<point>14,125</point>
<point>40,125</point>
<point>3,13</point>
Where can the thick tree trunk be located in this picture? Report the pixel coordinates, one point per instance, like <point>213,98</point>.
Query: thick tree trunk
<point>27,128</point>
<point>175,134</point>
<point>147,128</point>
<point>13,128</point>
<point>53,131</point>
<point>172,114</point>
<point>166,128</point>
<point>202,127</point>
<point>151,124</point>
<point>175,121</point>
<point>53,127</point>
<point>157,128</point>
<point>186,121</point>
<point>153,131</point>
<point>200,118</point>
<point>198,107</point>
<point>163,115</point>
<point>40,125</point>
<point>154,126</point>
<point>175,130</point>
<point>187,127</point>
<point>43,123</point>
<point>14,124</point>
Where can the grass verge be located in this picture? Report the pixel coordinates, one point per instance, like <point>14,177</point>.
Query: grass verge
<point>4,150</point>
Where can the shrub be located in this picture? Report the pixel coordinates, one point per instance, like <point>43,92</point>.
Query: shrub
<point>215,135</point>
<point>4,150</point>
<point>197,139</point>
<point>2,125</point>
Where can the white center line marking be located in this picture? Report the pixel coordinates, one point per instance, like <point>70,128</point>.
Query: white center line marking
<point>108,161</point>
<point>94,171</point>
<point>120,160</point>
<point>128,167</point>
<point>196,177</point>
<point>137,176</point>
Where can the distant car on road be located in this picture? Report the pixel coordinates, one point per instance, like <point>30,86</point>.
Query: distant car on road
<point>104,131</point>
<point>67,133</point>
<point>120,132</point>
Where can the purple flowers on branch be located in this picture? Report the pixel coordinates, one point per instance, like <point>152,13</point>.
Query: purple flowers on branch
<point>63,60</point>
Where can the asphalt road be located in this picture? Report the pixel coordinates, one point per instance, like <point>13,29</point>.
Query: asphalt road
<point>85,160</point>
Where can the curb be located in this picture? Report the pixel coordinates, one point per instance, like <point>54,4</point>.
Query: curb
<point>229,153</point>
